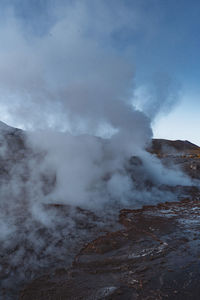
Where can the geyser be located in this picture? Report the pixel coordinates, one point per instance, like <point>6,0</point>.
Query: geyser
<point>64,179</point>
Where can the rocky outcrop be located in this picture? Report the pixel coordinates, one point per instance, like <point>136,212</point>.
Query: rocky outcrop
<point>163,147</point>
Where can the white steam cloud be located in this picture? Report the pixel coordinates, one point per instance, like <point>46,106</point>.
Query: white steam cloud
<point>71,88</point>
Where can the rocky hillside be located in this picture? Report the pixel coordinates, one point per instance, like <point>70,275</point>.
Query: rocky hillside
<point>162,147</point>
<point>154,256</point>
<point>151,253</point>
<point>179,153</point>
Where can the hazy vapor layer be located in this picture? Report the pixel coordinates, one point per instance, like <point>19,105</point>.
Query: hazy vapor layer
<point>72,76</point>
<point>71,86</point>
<point>75,75</point>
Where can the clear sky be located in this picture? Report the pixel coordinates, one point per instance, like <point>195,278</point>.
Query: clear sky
<point>161,39</point>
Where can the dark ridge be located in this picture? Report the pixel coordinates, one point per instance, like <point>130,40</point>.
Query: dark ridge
<point>169,147</point>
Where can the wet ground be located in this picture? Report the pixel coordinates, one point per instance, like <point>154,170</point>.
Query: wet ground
<point>151,253</point>
<point>155,256</point>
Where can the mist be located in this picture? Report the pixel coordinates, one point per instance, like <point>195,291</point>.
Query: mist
<point>71,88</point>
<point>71,83</point>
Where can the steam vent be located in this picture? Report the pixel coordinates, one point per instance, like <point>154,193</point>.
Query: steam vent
<point>153,255</point>
<point>147,251</point>
<point>99,150</point>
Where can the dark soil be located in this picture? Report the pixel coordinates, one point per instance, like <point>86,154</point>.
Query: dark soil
<point>155,256</point>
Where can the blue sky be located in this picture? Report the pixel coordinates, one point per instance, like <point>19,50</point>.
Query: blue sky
<point>161,38</point>
<point>175,49</point>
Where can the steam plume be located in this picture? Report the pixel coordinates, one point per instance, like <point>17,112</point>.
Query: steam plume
<point>71,88</point>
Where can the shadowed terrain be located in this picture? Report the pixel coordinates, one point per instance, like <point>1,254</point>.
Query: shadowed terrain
<point>155,256</point>
<point>151,253</point>
<point>162,147</point>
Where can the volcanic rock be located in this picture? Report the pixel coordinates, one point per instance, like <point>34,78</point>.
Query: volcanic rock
<point>155,256</point>
<point>152,253</point>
